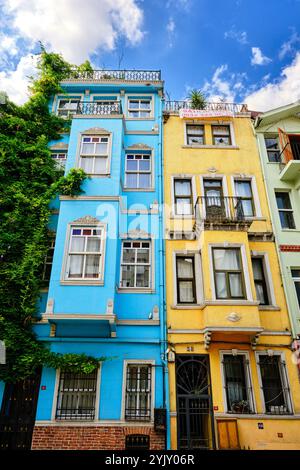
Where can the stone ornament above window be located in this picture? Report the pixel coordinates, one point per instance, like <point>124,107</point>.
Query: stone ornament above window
<point>139,147</point>
<point>86,220</point>
<point>95,130</point>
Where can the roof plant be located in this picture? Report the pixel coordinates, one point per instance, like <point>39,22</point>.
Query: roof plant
<point>197,99</point>
<point>29,181</point>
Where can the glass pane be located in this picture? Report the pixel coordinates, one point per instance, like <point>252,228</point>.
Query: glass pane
<point>297,286</point>
<point>260,294</point>
<point>142,276</point>
<point>63,104</point>
<point>235,281</point>
<point>101,149</point>
<point>274,156</point>
<point>296,273</point>
<point>134,114</point>
<point>77,244</point>
<point>287,219</point>
<point>195,140</point>
<point>127,276</point>
<point>247,208</point>
<point>182,188</point>
<point>283,201</point>
<point>272,385</point>
<point>131,180</point>
<point>144,378</point>
<point>87,149</point>
<point>257,268</point>
<point>144,114</point>
<point>92,266</point>
<point>133,104</point>
<point>243,188</point>
<point>145,104</point>
<point>236,391</point>
<point>87,164</point>
<point>221,289</point>
<point>220,130</point>
<point>143,256</point>
<point>76,266</point>
<point>183,206</point>
<point>128,255</point>
<point>100,165</point>
<point>185,268</point>
<point>132,165</point>
<point>195,130</point>
<point>144,180</point>
<point>221,141</point>
<point>271,143</point>
<point>186,292</point>
<point>93,244</point>
<point>145,165</point>
<point>227,259</point>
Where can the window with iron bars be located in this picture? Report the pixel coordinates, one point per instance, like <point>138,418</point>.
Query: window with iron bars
<point>275,384</point>
<point>138,392</point>
<point>76,396</point>
<point>237,383</point>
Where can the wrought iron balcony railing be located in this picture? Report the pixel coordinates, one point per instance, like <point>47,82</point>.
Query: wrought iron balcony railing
<point>102,108</point>
<point>119,75</point>
<point>175,106</point>
<point>219,209</point>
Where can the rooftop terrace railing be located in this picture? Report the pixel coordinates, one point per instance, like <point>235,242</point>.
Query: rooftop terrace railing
<point>120,75</point>
<point>175,106</point>
<point>90,108</point>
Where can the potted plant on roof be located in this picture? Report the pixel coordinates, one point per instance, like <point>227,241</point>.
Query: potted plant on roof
<point>197,99</point>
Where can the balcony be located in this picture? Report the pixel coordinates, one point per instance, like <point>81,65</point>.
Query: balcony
<point>290,167</point>
<point>220,213</point>
<point>116,76</point>
<point>176,106</point>
<point>99,108</point>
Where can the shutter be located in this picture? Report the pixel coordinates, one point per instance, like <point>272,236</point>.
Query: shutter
<point>285,146</point>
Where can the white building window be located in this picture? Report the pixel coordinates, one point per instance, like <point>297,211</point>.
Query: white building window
<point>139,108</point>
<point>60,159</point>
<point>183,196</point>
<point>136,264</point>
<point>138,171</point>
<point>138,392</point>
<point>228,273</point>
<point>67,107</point>
<point>85,253</point>
<point>94,153</point>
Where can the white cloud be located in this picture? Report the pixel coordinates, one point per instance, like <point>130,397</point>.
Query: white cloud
<point>290,46</point>
<point>258,58</point>
<point>224,85</point>
<point>15,82</point>
<point>171,31</point>
<point>284,91</point>
<point>76,28</point>
<point>239,36</point>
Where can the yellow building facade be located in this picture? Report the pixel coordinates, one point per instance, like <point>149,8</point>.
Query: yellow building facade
<point>233,379</point>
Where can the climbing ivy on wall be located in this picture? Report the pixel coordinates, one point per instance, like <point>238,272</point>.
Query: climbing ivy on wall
<point>29,181</point>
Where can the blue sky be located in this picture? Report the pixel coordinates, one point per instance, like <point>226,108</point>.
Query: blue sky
<point>236,50</point>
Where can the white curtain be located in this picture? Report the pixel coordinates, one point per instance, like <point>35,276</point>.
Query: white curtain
<point>100,165</point>
<point>86,164</point>
<point>92,265</point>
<point>185,268</point>
<point>226,259</point>
<point>77,244</point>
<point>186,291</point>
<point>93,244</point>
<point>182,188</point>
<point>76,265</point>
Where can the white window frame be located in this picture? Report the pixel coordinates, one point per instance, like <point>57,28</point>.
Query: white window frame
<point>248,376</point>
<point>150,172</point>
<point>84,281</point>
<point>193,194</point>
<point>198,277</point>
<point>268,276</point>
<point>140,362</point>
<point>285,381</point>
<point>107,155</point>
<point>55,400</point>
<point>245,271</point>
<point>289,192</point>
<point>272,136</point>
<point>150,264</point>
<point>255,196</point>
<point>295,279</point>
<point>67,98</point>
<point>60,162</point>
<point>140,97</point>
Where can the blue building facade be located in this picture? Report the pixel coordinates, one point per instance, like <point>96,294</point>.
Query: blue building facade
<point>106,289</point>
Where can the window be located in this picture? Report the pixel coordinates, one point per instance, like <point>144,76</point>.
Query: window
<point>221,135</point>
<point>85,253</point>
<point>49,259</point>
<point>238,390</point>
<point>68,107</point>
<point>274,384</point>
<point>137,442</point>
<point>94,154</point>
<point>76,396</point>
<point>194,135</point>
<point>138,392</point>
<point>183,198</point>
<point>296,279</point>
<point>60,159</point>
<point>229,282</point>
<point>136,264</point>
<point>260,281</point>
<point>139,108</point>
<point>273,150</point>
<point>138,171</point>
<point>285,210</point>
<point>214,199</point>
<point>185,275</point>
<point>243,191</point>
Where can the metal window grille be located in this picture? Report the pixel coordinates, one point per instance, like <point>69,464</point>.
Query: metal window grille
<point>237,384</point>
<point>138,392</point>
<point>76,396</point>
<point>275,385</point>
<point>137,442</point>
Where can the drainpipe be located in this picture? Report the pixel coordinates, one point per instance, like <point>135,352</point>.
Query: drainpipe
<point>162,309</point>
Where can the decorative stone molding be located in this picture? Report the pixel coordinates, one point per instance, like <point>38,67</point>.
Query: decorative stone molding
<point>50,306</point>
<point>139,147</point>
<point>86,220</point>
<point>59,146</point>
<point>95,130</point>
<point>110,306</point>
<point>155,313</point>
<point>234,317</point>
<point>212,169</point>
<point>136,234</point>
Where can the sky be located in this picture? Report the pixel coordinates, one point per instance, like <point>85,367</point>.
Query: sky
<point>233,50</point>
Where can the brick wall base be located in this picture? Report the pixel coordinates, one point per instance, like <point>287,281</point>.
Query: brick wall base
<point>91,437</point>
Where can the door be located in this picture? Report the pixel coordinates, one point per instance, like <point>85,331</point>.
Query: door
<point>17,416</point>
<point>214,199</point>
<point>194,405</point>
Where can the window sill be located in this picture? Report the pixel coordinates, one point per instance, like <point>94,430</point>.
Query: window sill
<point>82,283</point>
<point>253,303</point>
<point>256,416</point>
<point>231,147</point>
<point>139,190</point>
<point>269,307</point>
<point>98,175</point>
<point>140,118</point>
<point>188,307</point>
<point>290,230</point>
<point>136,290</point>
<point>256,218</point>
